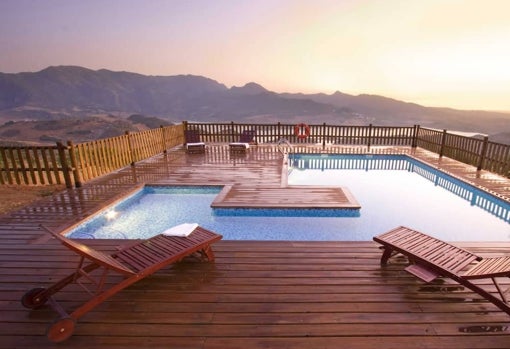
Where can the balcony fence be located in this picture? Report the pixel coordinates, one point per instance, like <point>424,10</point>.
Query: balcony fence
<point>73,164</point>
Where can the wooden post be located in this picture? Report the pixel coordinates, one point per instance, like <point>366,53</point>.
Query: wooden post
<point>232,133</point>
<point>369,141</point>
<point>324,136</point>
<point>74,165</point>
<point>65,168</point>
<point>163,139</point>
<point>416,130</point>
<point>3,167</point>
<point>443,142</point>
<point>483,153</point>
<point>130,145</point>
<point>278,131</point>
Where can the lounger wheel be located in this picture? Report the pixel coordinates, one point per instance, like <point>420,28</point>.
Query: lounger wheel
<point>34,298</point>
<point>61,329</point>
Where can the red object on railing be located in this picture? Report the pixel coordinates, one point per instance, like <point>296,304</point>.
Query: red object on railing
<point>302,131</point>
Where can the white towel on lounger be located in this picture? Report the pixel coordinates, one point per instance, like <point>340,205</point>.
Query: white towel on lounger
<point>183,230</point>
<point>239,144</point>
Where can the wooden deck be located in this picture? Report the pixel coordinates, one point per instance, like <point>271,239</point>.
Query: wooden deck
<point>239,196</point>
<point>279,294</point>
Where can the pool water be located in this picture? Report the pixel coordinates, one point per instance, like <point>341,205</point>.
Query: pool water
<point>392,191</point>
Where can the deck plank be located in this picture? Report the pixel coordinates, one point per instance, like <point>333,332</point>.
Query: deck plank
<point>285,197</point>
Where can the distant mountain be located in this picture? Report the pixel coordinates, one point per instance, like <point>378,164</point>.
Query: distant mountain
<point>69,92</point>
<point>250,89</point>
<point>67,89</point>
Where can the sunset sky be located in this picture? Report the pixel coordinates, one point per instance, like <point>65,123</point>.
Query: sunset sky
<point>451,53</point>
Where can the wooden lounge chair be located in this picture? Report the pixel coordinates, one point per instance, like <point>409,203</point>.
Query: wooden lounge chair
<point>430,258</point>
<point>135,262</point>
<point>246,139</point>
<point>193,143</point>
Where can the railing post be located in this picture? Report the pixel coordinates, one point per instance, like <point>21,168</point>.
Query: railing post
<point>184,129</point>
<point>324,136</point>
<point>130,145</point>
<point>278,131</point>
<point>369,140</point>
<point>74,165</point>
<point>443,143</point>
<point>483,153</point>
<point>416,130</point>
<point>63,161</point>
<point>232,135</point>
<point>163,139</point>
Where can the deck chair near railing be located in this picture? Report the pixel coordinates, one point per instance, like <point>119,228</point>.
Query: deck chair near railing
<point>246,139</point>
<point>193,143</point>
<point>135,262</point>
<point>431,258</point>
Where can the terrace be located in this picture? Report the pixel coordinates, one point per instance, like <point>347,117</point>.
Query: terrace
<point>256,294</point>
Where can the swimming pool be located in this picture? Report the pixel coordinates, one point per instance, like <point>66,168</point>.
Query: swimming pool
<point>392,191</point>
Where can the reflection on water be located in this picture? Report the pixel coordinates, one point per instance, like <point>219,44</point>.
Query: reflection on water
<point>476,197</point>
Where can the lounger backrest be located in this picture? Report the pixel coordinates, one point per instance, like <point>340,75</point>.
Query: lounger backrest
<point>247,136</point>
<point>90,253</point>
<point>192,136</point>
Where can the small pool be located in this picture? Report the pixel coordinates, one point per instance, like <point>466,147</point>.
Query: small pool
<point>392,191</point>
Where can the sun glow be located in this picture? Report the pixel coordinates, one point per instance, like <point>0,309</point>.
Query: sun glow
<point>111,215</point>
<point>449,53</point>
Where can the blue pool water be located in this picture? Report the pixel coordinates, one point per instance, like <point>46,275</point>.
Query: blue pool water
<point>392,191</point>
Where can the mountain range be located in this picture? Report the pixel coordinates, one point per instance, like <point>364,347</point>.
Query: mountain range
<point>69,102</point>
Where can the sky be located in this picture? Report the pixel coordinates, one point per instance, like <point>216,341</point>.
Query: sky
<point>444,53</point>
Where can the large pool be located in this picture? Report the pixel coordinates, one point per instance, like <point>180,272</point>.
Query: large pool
<point>392,191</point>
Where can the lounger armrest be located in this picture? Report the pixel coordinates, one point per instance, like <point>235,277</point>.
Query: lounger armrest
<point>422,272</point>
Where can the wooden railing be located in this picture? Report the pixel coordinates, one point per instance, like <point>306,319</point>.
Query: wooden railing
<point>97,158</point>
<point>482,153</point>
<point>485,155</point>
<point>322,134</point>
<point>73,165</point>
<point>39,165</point>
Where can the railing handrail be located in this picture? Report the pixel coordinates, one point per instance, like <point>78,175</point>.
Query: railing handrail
<point>286,141</point>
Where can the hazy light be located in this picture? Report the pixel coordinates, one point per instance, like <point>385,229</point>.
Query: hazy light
<point>112,214</point>
<point>447,52</point>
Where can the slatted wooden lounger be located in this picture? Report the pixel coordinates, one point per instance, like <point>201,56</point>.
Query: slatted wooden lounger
<point>134,263</point>
<point>246,139</point>
<point>430,258</point>
<point>192,142</point>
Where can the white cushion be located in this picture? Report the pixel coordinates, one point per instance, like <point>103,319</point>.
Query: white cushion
<point>239,144</point>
